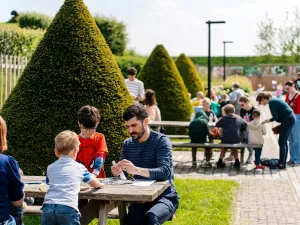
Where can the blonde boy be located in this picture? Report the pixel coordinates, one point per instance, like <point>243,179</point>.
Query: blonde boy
<point>64,177</point>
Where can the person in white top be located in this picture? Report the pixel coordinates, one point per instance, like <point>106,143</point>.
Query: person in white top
<point>256,130</point>
<point>260,89</point>
<point>135,86</point>
<point>151,106</point>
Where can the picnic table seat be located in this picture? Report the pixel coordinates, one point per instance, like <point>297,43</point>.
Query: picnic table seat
<point>35,210</point>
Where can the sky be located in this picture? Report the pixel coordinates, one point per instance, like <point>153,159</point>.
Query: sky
<point>180,25</point>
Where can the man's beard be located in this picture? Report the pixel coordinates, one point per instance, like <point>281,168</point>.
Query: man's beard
<point>139,135</point>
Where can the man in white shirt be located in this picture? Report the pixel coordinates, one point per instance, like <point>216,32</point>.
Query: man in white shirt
<point>135,86</point>
<point>235,95</point>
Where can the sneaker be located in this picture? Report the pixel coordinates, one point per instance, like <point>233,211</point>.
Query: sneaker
<point>291,163</point>
<point>221,164</point>
<point>237,164</point>
<point>259,167</point>
<point>207,164</point>
<point>250,159</point>
<point>281,167</point>
<point>229,158</point>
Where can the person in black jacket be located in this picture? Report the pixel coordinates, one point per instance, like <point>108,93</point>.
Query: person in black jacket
<point>231,125</point>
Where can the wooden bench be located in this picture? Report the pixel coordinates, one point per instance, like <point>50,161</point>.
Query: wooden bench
<point>35,210</point>
<point>194,147</point>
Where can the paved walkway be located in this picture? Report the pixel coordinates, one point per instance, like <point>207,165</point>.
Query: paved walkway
<point>265,197</point>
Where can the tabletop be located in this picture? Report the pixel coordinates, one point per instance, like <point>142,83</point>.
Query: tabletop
<point>115,192</point>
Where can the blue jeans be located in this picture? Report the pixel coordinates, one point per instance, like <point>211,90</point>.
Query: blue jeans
<point>17,213</point>
<point>294,141</point>
<point>257,155</point>
<point>10,221</point>
<point>284,132</point>
<point>151,213</point>
<point>54,214</point>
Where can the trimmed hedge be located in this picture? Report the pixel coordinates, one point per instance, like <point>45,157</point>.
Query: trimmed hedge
<point>161,75</point>
<point>17,41</point>
<point>72,66</point>
<point>189,74</point>
<point>34,20</point>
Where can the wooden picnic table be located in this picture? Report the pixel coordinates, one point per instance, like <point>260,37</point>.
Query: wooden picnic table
<point>102,201</point>
<point>185,124</point>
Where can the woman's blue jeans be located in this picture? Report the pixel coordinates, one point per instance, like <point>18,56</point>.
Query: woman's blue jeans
<point>284,132</point>
<point>294,141</point>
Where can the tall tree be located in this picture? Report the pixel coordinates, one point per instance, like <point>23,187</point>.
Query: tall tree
<point>72,67</point>
<point>266,44</point>
<point>114,33</point>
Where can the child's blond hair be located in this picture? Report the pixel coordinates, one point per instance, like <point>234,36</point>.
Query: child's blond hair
<point>66,141</point>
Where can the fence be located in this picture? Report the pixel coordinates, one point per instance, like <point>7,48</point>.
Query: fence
<point>11,68</point>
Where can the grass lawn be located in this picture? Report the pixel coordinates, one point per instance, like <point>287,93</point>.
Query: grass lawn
<point>201,202</point>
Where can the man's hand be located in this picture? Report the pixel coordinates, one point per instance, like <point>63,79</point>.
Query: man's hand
<point>116,169</point>
<point>128,167</point>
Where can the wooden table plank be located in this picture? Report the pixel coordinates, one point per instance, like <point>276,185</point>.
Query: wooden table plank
<point>125,192</point>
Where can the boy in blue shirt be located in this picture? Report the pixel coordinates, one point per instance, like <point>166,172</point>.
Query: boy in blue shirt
<point>64,177</point>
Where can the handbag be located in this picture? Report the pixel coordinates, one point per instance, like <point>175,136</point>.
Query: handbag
<point>276,129</point>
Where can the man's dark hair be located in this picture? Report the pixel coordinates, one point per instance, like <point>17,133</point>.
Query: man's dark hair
<point>88,116</point>
<point>256,113</point>
<point>131,71</point>
<point>136,110</point>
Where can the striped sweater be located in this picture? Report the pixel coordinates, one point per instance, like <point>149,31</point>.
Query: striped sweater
<point>156,155</point>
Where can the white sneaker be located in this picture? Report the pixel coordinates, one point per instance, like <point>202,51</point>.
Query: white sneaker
<point>229,158</point>
<point>250,160</point>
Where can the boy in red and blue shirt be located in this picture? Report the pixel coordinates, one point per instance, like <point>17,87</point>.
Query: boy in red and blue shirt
<point>92,150</point>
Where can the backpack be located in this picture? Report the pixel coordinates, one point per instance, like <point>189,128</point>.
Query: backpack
<point>271,163</point>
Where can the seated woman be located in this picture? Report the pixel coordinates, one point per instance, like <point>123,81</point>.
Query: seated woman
<point>152,108</point>
<point>11,187</point>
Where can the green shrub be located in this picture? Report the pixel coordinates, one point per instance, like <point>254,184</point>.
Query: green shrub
<point>161,75</point>
<point>130,61</point>
<point>244,82</point>
<point>34,20</point>
<point>17,41</point>
<point>114,33</point>
<point>72,66</point>
<point>189,74</point>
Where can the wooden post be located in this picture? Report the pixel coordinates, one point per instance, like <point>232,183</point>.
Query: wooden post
<point>6,74</point>
<point>10,74</point>
<point>122,212</point>
<point>19,67</point>
<point>15,71</point>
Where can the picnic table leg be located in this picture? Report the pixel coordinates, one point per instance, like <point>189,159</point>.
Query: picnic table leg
<point>194,156</point>
<point>242,155</point>
<point>122,212</point>
<point>104,208</point>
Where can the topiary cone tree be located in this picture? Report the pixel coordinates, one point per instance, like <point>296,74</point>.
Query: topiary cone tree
<point>72,66</point>
<point>189,74</point>
<point>161,75</point>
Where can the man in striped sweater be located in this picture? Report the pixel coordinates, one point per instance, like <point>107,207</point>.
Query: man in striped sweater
<point>135,86</point>
<point>147,154</point>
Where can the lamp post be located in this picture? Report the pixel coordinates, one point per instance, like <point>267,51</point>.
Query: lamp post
<point>209,57</point>
<point>224,58</point>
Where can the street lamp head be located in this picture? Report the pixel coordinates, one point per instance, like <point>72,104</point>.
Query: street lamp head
<point>209,22</point>
<point>227,42</point>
